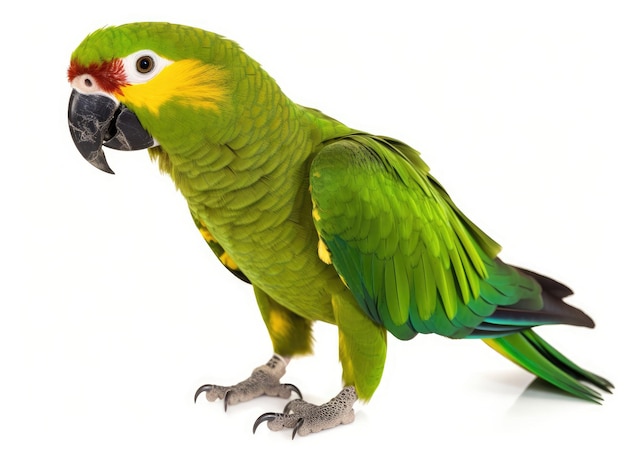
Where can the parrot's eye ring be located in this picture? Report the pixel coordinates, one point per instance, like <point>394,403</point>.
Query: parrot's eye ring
<point>145,64</point>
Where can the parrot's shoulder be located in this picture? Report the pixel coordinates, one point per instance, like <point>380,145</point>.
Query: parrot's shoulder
<point>403,164</point>
<point>324,128</point>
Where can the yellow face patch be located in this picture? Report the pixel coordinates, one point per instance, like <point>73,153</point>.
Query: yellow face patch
<point>190,82</point>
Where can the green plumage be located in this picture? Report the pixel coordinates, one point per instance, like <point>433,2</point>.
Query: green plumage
<point>275,187</point>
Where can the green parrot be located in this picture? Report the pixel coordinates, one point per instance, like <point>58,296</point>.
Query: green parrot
<point>327,223</point>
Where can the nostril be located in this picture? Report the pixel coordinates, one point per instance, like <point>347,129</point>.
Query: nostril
<point>87,83</point>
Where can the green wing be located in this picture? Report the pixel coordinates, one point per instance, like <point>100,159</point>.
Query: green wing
<point>412,260</point>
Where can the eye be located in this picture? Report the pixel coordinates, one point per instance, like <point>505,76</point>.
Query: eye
<point>145,64</point>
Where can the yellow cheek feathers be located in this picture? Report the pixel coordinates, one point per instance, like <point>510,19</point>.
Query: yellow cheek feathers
<point>190,82</point>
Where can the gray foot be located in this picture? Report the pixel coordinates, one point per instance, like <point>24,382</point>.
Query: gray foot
<point>305,418</point>
<point>265,380</point>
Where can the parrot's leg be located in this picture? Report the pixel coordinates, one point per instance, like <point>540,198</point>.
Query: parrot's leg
<point>264,381</point>
<point>305,418</point>
<point>362,350</point>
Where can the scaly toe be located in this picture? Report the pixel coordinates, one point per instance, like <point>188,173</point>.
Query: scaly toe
<point>305,418</point>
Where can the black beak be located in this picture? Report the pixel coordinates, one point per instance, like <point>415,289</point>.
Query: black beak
<point>97,120</point>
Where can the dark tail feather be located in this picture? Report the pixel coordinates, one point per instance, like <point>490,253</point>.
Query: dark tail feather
<point>549,285</point>
<point>526,313</point>
<point>508,332</point>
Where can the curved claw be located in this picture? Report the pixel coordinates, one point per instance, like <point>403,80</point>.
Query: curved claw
<point>295,429</point>
<point>201,389</point>
<point>294,389</point>
<point>264,417</point>
<point>287,407</point>
<point>226,400</point>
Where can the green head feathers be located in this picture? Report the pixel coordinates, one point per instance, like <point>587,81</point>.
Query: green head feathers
<point>171,41</point>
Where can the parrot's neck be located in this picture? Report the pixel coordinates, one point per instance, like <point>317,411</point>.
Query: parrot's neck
<point>264,167</point>
<point>250,188</point>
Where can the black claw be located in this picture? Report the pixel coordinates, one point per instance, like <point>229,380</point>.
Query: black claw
<point>295,429</point>
<point>264,417</point>
<point>287,407</point>
<point>202,389</point>
<point>226,400</point>
<point>294,389</point>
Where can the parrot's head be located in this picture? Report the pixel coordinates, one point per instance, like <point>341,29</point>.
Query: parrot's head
<point>140,85</point>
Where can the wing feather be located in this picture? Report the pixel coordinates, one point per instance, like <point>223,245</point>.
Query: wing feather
<point>414,262</point>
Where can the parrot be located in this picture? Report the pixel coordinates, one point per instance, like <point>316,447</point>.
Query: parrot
<point>327,223</point>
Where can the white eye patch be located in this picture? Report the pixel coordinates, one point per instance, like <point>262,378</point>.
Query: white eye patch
<point>143,65</point>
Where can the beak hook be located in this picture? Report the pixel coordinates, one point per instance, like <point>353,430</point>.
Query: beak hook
<point>97,120</point>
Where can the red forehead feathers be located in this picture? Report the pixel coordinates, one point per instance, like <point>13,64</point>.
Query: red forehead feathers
<point>109,75</point>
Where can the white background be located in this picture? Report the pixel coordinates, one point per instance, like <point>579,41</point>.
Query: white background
<point>113,310</point>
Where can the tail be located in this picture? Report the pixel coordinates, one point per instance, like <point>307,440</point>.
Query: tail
<point>508,331</point>
<point>534,354</point>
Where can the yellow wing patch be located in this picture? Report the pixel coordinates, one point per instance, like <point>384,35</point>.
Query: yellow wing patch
<point>322,249</point>
<point>206,234</point>
<point>323,252</point>
<point>222,255</point>
<point>228,262</point>
<point>190,82</point>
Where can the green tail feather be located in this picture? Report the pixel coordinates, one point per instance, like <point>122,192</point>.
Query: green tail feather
<point>534,354</point>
